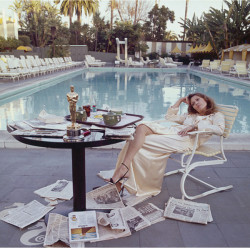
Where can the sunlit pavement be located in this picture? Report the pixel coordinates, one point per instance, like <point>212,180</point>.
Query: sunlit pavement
<point>24,170</point>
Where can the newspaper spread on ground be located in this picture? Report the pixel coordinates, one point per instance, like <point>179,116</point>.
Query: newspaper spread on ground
<point>127,198</point>
<point>27,214</point>
<point>61,189</point>
<point>150,212</point>
<point>104,226</point>
<point>105,197</point>
<point>58,232</point>
<point>134,219</point>
<point>188,211</point>
<point>57,229</point>
<point>114,219</point>
<point>122,133</point>
<point>83,226</point>
<point>131,200</point>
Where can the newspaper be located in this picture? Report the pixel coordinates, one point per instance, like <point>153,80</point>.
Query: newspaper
<point>122,133</point>
<point>40,133</point>
<point>27,214</point>
<point>62,189</point>
<point>188,211</point>
<point>131,200</point>
<point>49,118</point>
<point>150,212</point>
<point>106,174</point>
<point>114,219</point>
<point>58,231</point>
<point>83,226</point>
<point>105,224</point>
<point>105,197</point>
<point>127,198</point>
<point>134,219</point>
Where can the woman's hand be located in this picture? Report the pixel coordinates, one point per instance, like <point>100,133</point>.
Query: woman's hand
<point>184,131</point>
<point>182,99</point>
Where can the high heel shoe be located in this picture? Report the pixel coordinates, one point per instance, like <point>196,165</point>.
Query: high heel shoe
<point>123,177</point>
<point>122,186</point>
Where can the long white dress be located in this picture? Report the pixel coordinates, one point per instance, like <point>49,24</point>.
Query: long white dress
<point>147,168</point>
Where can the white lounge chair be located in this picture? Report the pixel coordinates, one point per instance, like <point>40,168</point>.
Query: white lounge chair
<point>239,70</point>
<point>170,60</point>
<point>215,155</point>
<point>134,63</point>
<point>91,62</point>
<point>162,63</point>
<point>4,73</point>
<point>205,64</point>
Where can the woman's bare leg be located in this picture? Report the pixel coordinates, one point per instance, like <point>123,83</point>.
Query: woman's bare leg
<point>141,132</point>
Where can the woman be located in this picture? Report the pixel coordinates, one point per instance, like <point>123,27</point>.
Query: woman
<point>142,161</point>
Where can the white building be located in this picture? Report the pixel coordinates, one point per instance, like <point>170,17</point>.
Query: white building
<point>8,25</point>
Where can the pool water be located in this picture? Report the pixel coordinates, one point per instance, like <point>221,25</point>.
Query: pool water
<point>145,93</point>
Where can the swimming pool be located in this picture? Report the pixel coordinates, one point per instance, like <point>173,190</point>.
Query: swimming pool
<point>148,93</point>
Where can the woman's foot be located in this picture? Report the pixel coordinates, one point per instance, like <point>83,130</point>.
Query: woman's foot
<point>120,174</point>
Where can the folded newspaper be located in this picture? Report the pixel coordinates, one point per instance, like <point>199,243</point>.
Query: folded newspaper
<point>123,133</point>
<point>61,189</point>
<point>188,211</point>
<point>57,232</point>
<point>49,118</point>
<point>25,215</point>
<point>105,197</point>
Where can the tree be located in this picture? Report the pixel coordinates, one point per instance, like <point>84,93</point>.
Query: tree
<point>89,7</point>
<point>66,8</point>
<point>37,18</point>
<point>100,29</point>
<point>185,18</point>
<point>155,27</point>
<point>132,10</point>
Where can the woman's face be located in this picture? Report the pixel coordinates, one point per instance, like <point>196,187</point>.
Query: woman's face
<point>199,104</point>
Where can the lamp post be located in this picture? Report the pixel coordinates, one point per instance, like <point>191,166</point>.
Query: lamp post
<point>53,34</point>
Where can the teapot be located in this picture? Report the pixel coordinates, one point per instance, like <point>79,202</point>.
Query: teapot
<point>81,115</point>
<point>110,119</point>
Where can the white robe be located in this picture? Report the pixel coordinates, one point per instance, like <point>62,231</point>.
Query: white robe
<point>147,168</point>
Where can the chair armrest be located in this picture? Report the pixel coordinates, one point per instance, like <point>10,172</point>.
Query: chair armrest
<point>201,132</point>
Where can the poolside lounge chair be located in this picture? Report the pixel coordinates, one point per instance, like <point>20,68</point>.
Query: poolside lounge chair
<point>225,67</point>
<point>205,64</point>
<point>145,62</point>
<point>240,70</point>
<point>215,156</point>
<point>92,62</point>
<point>134,63</point>
<point>162,63</point>
<point>170,60</point>
<point>214,66</point>
<point>4,73</point>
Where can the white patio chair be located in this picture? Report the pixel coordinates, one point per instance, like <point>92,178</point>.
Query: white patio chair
<point>212,154</point>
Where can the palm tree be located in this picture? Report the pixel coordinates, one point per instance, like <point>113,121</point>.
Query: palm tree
<point>185,19</point>
<point>66,8</point>
<point>89,7</point>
